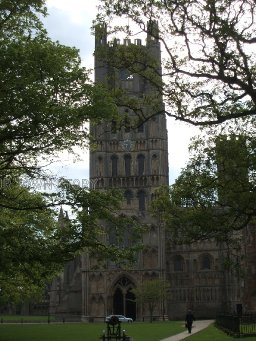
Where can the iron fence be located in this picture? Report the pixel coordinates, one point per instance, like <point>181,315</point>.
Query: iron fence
<point>239,326</point>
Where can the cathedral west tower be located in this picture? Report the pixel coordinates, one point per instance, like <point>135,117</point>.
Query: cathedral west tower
<point>131,156</point>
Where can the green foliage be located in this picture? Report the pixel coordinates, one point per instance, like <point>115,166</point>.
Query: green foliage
<point>97,213</point>
<point>46,97</point>
<point>209,55</point>
<point>28,242</point>
<point>151,293</point>
<point>35,246</point>
<point>214,194</point>
<point>46,102</point>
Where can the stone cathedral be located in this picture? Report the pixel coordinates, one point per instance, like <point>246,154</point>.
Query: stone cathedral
<point>136,161</point>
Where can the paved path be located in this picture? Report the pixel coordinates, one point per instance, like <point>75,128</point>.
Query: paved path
<point>198,325</point>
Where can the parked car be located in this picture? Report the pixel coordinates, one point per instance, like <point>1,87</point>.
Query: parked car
<point>121,318</point>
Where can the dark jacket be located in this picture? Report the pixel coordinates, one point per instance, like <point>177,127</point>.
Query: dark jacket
<point>189,318</point>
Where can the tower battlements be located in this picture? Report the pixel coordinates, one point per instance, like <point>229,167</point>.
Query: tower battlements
<point>125,42</point>
<point>152,36</point>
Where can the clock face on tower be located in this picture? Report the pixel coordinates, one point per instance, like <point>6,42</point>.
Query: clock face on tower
<point>127,145</point>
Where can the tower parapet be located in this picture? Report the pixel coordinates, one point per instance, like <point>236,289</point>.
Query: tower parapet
<point>101,36</point>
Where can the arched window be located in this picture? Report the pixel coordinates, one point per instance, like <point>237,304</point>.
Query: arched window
<point>121,240</point>
<point>114,161</point>
<point>127,164</point>
<point>141,164</point>
<point>142,200</point>
<point>154,164</point>
<point>205,262</point>
<point>178,263</point>
<point>100,166</point>
<point>128,196</point>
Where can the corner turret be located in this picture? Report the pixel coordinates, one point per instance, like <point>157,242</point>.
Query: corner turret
<point>101,34</point>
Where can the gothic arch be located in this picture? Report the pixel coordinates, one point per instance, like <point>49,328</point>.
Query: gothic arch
<point>194,265</point>
<point>141,164</point>
<point>123,240</point>
<point>123,297</point>
<point>100,166</point>
<point>127,164</point>
<point>128,196</point>
<point>178,263</point>
<point>205,261</point>
<point>114,165</point>
<point>154,164</point>
<point>142,200</point>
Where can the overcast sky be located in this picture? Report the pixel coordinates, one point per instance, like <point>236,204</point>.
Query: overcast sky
<point>69,22</point>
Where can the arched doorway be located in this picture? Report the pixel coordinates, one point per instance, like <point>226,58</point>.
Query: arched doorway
<point>124,299</point>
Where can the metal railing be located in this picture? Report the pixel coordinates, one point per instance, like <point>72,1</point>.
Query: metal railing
<point>238,326</point>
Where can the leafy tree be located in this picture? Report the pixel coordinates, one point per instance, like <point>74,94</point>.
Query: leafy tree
<point>151,293</point>
<point>46,96</point>
<point>46,102</point>
<point>98,213</point>
<point>214,196</point>
<point>28,240</point>
<point>208,55</point>
<point>34,246</point>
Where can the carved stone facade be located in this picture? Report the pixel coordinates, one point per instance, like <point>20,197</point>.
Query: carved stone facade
<point>136,161</point>
<point>199,282</point>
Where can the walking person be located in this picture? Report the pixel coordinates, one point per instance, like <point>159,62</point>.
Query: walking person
<point>189,320</point>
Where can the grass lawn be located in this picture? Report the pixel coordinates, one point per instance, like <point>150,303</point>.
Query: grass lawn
<point>86,331</point>
<point>92,331</point>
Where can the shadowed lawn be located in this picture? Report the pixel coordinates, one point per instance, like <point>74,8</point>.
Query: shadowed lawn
<point>86,331</point>
<point>24,318</point>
